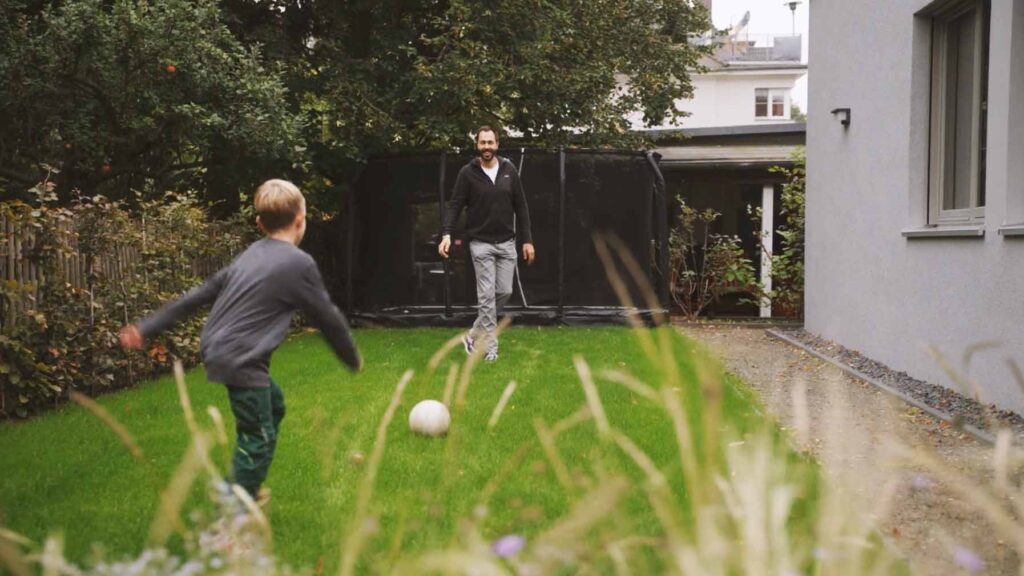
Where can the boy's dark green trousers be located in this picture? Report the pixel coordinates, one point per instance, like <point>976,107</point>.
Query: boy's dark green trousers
<point>258,414</point>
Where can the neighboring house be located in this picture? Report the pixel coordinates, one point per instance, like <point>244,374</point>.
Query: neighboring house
<point>915,205</point>
<point>741,124</point>
<point>748,80</point>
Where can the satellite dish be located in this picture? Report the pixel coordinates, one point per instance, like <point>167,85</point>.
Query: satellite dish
<point>741,25</point>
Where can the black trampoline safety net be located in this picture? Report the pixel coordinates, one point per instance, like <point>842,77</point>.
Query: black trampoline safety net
<point>395,275</point>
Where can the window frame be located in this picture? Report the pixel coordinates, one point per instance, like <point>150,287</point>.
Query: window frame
<point>940,153</point>
<point>786,104</point>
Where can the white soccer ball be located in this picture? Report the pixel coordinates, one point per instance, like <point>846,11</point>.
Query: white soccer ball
<point>429,418</point>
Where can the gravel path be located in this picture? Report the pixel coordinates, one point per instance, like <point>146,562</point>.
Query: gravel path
<point>845,424</point>
<point>959,407</point>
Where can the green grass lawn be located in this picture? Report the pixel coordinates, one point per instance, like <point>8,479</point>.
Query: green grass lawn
<point>66,471</point>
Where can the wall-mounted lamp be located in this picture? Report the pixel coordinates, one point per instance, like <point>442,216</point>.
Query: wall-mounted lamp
<point>845,118</point>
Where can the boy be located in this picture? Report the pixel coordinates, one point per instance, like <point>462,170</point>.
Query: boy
<point>253,301</point>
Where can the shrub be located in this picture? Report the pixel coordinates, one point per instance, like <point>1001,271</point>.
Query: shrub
<point>787,293</point>
<point>704,265</point>
<point>96,266</point>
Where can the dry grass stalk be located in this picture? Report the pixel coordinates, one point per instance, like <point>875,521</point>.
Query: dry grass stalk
<point>11,557</point>
<point>684,441</point>
<point>575,419</point>
<point>116,427</point>
<point>632,384</point>
<point>444,351</point>
<point>168,519</point>
<point>547,442</point>
<point>356,537</point>
<point>660,497</point>
<point>449,385</point>
<point>202,450</point>
<point>506,395</point>
<point>593,398</point>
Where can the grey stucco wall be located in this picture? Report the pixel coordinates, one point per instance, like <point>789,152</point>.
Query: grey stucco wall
<point>868,287</point>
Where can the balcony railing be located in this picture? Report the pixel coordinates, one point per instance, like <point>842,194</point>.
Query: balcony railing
<point>760,48</point>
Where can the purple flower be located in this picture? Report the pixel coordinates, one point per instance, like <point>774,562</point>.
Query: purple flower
<point>968,560</point>
<point>508,545</point>
<point>922,482</point>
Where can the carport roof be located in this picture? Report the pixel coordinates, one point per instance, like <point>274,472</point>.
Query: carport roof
<point>726,155</point>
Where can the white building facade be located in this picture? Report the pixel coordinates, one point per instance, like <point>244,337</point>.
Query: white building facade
<point>748,81</point>
<point>741,97</point>
<point>915,203</point>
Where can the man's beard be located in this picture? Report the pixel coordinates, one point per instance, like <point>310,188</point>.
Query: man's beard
<point>487,154</point>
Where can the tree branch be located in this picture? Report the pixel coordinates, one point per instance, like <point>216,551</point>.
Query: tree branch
<point>492,114</point>
<point>18,177</point>
<point>101,97</point>
<point>113,174</point>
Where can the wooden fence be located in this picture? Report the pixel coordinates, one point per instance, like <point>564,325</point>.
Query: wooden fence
<point>117,266</point>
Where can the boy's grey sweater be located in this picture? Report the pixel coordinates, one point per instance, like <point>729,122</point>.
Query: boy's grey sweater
<point>254,299</point>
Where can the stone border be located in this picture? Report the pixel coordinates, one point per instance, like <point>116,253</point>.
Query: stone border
<point>978,433</point>
<point>738,322</point>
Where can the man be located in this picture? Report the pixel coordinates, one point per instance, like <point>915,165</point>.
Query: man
<point>489,185</point>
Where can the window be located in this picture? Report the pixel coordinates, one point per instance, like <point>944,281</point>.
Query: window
<point>771,104</point>
<point>956,178</point>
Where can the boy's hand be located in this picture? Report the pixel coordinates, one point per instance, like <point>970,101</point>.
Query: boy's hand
<point>131,338</point>
<point>528,253</point>
<point>444,245</point>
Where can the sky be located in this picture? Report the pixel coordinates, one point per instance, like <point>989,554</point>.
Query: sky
<point>767,17</point>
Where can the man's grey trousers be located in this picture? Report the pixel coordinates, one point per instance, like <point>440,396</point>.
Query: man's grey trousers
<point>494,265</point>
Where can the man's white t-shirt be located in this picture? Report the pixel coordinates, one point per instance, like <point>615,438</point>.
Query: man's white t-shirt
<point>492,172</point>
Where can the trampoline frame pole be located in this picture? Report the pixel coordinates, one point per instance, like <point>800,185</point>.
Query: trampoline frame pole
<point>661,227</point>
<point>444,261</point>
<point>350,252</point>
<point>561,232</point>
<point>515,230</point>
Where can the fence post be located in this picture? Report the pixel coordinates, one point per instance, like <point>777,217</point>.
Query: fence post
<point>561,233</point>
<point>445,261</point>
<point>350,251</point>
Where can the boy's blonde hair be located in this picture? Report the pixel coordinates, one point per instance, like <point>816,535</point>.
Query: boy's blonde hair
<point>277,204</point>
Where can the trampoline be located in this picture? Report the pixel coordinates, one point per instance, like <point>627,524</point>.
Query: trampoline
<point>393,274</point>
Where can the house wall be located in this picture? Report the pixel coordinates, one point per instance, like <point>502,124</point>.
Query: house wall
<point>868,287</point>
<point>727,98</point>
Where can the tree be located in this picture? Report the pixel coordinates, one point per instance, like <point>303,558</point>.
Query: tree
<point>797,114</point>
<point>391,75</point>
<point>400,74</point>
<point>121,93</point>
<point>218,94</point>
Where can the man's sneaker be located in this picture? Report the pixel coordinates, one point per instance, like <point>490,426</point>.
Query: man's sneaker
<point>468,344</point>
<point>491,356</point>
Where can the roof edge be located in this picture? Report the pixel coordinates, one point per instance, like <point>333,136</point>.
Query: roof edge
<point>743,130</point>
